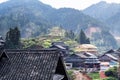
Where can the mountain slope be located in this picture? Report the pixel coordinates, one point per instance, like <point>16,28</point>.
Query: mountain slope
<point>107,13</point>
<point>114,23</point>
<point>35,18</point>
<point>71,19</point>
<point>102,10</point>
<point>27,15</point>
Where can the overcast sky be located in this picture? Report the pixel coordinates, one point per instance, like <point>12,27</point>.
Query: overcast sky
<point>77,4</point>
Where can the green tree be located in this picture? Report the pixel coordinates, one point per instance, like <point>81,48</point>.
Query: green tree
<point>16,36</point>
<point>70,34</point>
<point>13,38</point>
<point>71,74</point>
<point>87,41</point>
<point>82,38</point>
<point>112,72</point>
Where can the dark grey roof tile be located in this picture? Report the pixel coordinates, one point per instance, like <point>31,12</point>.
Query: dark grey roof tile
<point>29,65</point>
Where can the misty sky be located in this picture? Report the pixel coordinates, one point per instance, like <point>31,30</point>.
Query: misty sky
<point>77,4</point>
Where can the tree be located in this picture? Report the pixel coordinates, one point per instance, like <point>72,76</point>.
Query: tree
<point>13,38</point>
<point>87,41</point>
<point>112,72</point>
<point>71,74</point>
<point>70,34</point>
<point>16,36</point>
<point>82,38</point>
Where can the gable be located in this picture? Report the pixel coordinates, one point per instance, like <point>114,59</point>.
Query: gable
<point>61,70</point>
<point>3,55</point>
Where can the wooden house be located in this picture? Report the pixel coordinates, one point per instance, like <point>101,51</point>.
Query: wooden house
<point>108,59</point>
<point>92,63</point>
<point>86,61</point>
<point>44,64</point>
<point>62,47</point>
<point>74,61</point>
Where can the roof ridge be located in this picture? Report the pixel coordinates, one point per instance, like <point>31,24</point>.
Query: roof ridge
<point>44,49</point>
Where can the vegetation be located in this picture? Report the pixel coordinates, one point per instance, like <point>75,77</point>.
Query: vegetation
<point>70,38</point>
<point>71,74</point>
<point>26,43</point>
<point>112,73</point>
<point>109,13</point>
<point>110,78</point>
<point>114,23</point>
<point>70,34</point>
<point>13,38</point>
<point>56,31</point>
<point>105,10</point>
<point>46,41</point>
<point>82,38</point>
<point>94,76</point>
<point>37,19</point>
<point>104,40</point>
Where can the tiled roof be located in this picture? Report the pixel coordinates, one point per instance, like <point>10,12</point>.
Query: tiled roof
<point>59,43</point>
<point>111,56</point>
<point>87,46</point>
<point>59,46</point>
<point>110,51</point>
<point>82,55</point>
<point>29,65</point>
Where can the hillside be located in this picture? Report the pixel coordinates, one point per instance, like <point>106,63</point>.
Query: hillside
<point>114,22</point>
<point>107,13</point>
<point>72,19</point>
<point>35,18</point>
<point>102,10</point>
<point>28,15</point>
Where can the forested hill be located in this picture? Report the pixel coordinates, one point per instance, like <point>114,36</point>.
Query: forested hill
<point>108,13</point>
<point>114,23</point>
<point>34,18</point>
<point>72,19</point>
<point>28,15</point>
<point>102,10</point>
